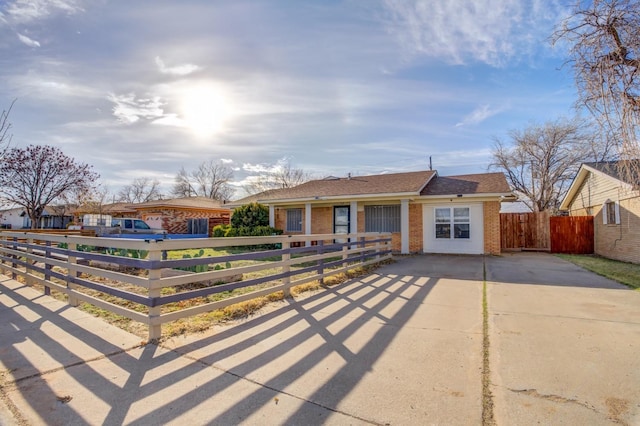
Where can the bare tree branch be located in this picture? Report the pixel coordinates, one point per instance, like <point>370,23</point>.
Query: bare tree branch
<point>278,176</point>
<point>36,176</point>
<point>541,161</point>
<point>604,48</point>
<point>211,179</point>
<point>140,190</point>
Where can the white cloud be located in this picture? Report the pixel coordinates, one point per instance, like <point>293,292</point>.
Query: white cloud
<point>180,70</point>
<point>460,31</point>
<point>226,160</point>
<point>24,11</point>
<point>129,109</point>
<point>478,115</point>
<point>28,41</point>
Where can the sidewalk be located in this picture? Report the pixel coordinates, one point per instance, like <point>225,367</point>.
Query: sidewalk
<point>397,347</point>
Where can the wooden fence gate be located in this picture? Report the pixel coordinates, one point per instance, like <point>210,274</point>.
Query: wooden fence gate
<point>542,232</point>
<point>524,231</point>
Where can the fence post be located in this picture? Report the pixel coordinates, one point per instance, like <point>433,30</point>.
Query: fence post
<point>72,272</point>
<point>155,330</point>
<point>47,267</point>
<point>363,244</point>
<point>286,269</point>
<point>320,250</point>
<point>27,278</point>
<point>14,257</point>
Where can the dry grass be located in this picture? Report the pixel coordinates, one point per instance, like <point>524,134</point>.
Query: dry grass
<point>196,323</point>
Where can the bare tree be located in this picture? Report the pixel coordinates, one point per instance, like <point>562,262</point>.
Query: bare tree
<point>541,161</point>
<point>36,176</point>
<point>278,176</point>
<point>211,179</point>
<point>5,126</point>
<point>604,48</point>
<point>140,190</point>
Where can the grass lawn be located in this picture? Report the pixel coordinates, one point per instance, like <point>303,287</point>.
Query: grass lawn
<point>622,272</point>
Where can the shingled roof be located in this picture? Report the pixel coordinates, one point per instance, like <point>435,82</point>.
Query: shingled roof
<point>615,169</point>
<point>393,183</point>
<point>186,202</point>
<point>412,183</point>
<point>486,183</point>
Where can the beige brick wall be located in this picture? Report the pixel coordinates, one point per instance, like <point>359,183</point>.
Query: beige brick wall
<point>322,220</point>
<point>416,238</point>
<point>491,214</point>
<point>622,241</point>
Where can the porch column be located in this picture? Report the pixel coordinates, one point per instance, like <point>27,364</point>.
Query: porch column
<point>353,219</point>
<point>307,222</point>
<point>404,226</point>
<point>272,216</point>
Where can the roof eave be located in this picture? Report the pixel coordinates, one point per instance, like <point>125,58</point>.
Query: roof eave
<point>479,195</point>
<point>339,198</point>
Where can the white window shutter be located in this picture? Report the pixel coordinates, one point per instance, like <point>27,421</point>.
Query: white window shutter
<point>617,205</point>
<point>604,212</point>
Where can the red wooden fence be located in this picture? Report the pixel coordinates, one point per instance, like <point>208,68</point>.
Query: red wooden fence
<point>539,231</point>
<point>571,234</point>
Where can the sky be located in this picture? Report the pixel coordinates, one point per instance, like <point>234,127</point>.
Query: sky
<point>143,88</point>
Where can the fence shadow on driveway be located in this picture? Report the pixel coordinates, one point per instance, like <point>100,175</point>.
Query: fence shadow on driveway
<point>307,355</point>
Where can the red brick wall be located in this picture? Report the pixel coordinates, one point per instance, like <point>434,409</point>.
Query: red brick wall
<point>175,220</point>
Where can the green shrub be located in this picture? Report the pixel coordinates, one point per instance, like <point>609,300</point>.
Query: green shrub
<point>250,215</point>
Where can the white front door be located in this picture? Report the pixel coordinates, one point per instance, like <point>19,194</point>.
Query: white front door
<point>453,228</point>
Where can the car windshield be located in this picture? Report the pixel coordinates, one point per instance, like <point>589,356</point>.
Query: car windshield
<point>139,224</point>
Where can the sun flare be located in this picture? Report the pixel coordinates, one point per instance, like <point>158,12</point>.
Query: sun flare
<point>204,110</point>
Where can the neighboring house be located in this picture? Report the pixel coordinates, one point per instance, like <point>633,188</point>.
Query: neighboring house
<point>189,215</point>
<point>53,217</point>
<point>14,218</point>
<point>423,211</point>
<point>601,191</point>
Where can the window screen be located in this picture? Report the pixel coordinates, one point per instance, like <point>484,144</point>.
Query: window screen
<point>294,220</point>
<point>382,218</point>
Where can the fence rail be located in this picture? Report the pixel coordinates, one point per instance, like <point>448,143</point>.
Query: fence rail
<point>99,270</point>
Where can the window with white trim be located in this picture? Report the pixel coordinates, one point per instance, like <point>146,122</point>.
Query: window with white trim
<point>452,223</point>
<point>611,213</point>
<point>294,220</point>
<point>382,218</point>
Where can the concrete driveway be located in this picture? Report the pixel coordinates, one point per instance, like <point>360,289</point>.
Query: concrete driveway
<point>400,346</point>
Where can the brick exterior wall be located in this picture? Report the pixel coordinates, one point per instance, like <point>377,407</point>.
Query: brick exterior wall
<point>619,241</point>
<point>175,220</point>
<point>491,214</point>
<point>322,223</point>
<point>321,220</point>
<point>416,237</point>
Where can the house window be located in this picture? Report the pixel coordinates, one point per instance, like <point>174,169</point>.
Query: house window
<point>294,220</point>
<point>611,213</point>
<point>452,222</point>
<point>382,218</point>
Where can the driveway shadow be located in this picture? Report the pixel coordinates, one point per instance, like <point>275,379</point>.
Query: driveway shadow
<point>61,369</point>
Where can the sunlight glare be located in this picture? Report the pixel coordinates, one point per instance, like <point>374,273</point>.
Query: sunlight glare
<point>204,109</point>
